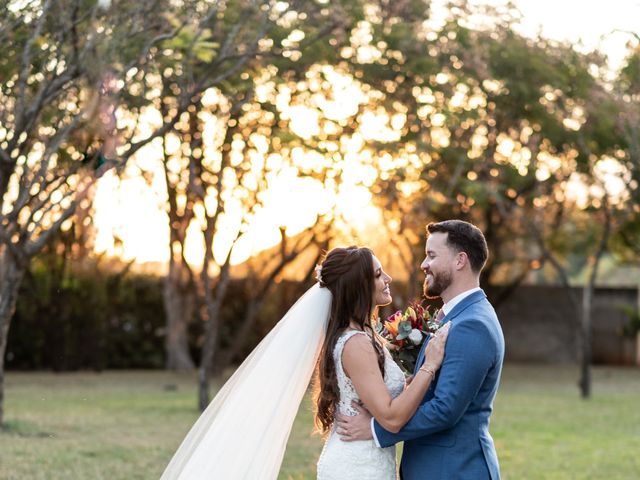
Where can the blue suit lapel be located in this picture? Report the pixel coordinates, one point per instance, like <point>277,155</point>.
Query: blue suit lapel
<point>420,359</point>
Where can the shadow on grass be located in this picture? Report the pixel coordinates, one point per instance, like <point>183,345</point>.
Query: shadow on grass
<point>22,428</point>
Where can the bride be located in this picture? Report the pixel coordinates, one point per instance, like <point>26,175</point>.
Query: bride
<point>243,432</point>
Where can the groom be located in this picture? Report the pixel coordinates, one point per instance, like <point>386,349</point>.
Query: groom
<point>448,436</point>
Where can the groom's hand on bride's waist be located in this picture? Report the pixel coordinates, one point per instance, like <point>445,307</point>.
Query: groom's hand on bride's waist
<point>354,428</point>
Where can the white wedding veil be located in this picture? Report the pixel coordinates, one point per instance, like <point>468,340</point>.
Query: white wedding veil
<point>243,432</point>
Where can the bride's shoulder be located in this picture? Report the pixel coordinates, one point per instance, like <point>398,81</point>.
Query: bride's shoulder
<point>358,354</point>
<point>349,333</point>
<point>356,340</point>
<point>346,335</point>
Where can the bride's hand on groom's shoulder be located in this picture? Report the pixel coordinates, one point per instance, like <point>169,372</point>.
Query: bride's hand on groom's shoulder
<point>358,427</point>
<point>435,348</point>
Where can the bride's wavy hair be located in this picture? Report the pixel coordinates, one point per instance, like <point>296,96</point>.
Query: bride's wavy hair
<point>348,274</point>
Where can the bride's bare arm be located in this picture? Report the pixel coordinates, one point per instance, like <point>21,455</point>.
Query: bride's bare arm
<point>360,363</point>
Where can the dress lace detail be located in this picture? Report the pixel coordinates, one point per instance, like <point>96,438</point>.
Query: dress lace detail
<point>361,459</point>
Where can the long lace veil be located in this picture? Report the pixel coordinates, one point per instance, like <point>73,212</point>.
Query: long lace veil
<point>243,432</point>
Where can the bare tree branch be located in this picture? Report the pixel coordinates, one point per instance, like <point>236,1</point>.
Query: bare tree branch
<point>26,67</point>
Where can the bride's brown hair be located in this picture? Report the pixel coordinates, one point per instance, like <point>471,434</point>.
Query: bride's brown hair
<point>348,274</point>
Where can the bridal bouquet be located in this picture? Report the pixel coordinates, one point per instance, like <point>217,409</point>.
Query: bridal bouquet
<point>405,332</point>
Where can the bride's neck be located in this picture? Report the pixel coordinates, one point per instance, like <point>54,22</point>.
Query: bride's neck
<point>355,326</point>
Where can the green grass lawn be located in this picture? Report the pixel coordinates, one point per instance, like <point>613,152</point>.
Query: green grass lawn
<point>126,425</point>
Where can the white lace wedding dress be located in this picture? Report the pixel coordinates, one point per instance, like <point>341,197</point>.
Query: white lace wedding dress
<point>360,459</point>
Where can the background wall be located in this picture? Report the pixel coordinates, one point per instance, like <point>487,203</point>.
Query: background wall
<point>540,324</point>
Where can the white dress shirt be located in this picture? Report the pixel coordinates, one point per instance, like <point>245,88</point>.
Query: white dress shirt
<point>446,308</point>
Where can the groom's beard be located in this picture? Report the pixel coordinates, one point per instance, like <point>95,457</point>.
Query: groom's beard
<point>439,283</point>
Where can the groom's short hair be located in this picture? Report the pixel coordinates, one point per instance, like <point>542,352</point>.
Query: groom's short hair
<point>464,237</point>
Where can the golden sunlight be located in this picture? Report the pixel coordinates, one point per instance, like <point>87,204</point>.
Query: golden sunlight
<point>131,221</point>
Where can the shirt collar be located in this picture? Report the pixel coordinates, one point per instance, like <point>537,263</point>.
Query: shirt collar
<point>447,307</point>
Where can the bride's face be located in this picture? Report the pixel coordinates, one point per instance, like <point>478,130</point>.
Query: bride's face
<point>382,292</point>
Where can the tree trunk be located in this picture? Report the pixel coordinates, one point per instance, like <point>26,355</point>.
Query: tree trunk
<point>208,350</point>
<point>178,298</point>
<point>585,337</point>
<point>587,304</point>
<point>211,311</point>
<point>248,323</point>
<point>11,275</point>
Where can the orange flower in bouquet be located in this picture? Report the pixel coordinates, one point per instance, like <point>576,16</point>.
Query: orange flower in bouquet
<point>393,324</point>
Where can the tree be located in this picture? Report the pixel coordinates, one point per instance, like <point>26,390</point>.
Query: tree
<point>212,179</point>
<point>444,91</point>
<point>57,123</point>
<point>627,90</point>
<point>78,78</point>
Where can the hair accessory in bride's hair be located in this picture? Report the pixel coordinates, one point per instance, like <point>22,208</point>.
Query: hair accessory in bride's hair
<point>318,271</point>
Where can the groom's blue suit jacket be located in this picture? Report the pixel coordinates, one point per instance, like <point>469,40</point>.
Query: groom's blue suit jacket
<point>448,436</point>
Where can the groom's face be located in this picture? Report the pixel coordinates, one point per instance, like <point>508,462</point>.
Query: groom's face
<point>437,266</point>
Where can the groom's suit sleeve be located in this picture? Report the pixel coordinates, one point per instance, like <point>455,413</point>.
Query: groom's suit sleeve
<point>469,354</point>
